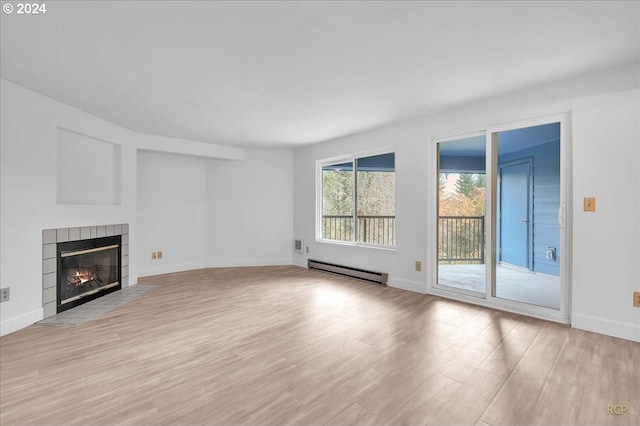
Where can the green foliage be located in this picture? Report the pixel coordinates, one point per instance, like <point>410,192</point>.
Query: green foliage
<point>467,182</point>
<point>376,193</point>
<point>469,198</point>
<point>461,237</point>
<point>375,197</point>
<point>337,192</point>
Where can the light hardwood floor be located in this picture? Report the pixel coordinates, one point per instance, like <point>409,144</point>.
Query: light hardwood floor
<point>285,345</point>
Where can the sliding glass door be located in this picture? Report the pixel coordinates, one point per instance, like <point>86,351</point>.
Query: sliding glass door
<point>501,235</point>
<point>461,214</point>
<point>527,201</point>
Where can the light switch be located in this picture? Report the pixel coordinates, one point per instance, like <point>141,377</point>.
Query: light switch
<point>590,204</point>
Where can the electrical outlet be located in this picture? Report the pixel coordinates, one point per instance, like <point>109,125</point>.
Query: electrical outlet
<point>159,255</point>
<point>590,204</point>
<point>636,299</point>
<point>5,294</point>
<point>154,255</point>
<point>307,249</point>
<point>418,266</point>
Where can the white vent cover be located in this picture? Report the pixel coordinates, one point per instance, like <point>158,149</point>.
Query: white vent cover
<point>297,245</point>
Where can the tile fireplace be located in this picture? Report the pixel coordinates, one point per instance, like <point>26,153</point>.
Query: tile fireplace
<point>81,264</point>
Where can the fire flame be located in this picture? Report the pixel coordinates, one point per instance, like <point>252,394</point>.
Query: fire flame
<point>81,278</point>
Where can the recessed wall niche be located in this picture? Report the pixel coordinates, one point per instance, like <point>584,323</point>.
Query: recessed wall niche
<point>89,170</point>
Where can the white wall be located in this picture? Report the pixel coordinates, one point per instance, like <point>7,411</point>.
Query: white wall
<point>605,111</point>
<point>208,213</point>
<point>249,212</point>
<point>28,157</point>
<point>605,245</point>
<point>170,212</point>
<point>97,161</point>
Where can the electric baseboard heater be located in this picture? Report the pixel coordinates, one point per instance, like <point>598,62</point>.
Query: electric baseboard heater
<point>376,277</point>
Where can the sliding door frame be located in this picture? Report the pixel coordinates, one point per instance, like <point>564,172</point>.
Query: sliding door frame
<point>489,298</point>
<point>434,282</point>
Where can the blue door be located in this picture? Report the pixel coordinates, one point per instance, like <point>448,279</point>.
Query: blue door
<point>514,214</point>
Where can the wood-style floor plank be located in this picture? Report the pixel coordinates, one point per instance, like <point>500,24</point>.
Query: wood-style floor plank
<point>289,346</point>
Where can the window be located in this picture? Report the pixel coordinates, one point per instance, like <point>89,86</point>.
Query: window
<point>358,200</point>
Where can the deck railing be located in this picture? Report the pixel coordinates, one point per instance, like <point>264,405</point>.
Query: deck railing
<point>461,239</point>
<point>371,229</point>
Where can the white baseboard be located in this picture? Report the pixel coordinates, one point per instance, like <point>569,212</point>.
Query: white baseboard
<point>21,321</point>
<point>249,262</point>
<point>612,328</point>
<point>415,286</point>
<point>168,269</point>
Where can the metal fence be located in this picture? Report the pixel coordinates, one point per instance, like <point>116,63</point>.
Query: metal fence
<point>371,229</point>
<point>461,239</point>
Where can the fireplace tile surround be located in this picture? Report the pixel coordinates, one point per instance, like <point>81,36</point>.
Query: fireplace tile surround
<point>50,238</point>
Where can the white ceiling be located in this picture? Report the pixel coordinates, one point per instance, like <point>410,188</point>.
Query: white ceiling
<point>286,73</point>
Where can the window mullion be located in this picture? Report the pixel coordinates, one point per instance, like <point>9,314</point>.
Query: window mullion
<point>355,200</point>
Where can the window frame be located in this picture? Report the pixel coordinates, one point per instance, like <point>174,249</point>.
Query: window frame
<point>320,164</point>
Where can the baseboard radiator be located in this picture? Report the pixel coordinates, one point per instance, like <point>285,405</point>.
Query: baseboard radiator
<point>376,277</point>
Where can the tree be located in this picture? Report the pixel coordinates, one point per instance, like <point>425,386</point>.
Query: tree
<point>376,193</point>
<point>375,197</point>
<point>465,184</point>
<point>469,199</point>
<point>459,237</point>
<point>443,181</point>
<point>337,192</point>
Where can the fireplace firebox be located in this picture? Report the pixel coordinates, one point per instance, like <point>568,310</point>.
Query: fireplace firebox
<point>87,269</point>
